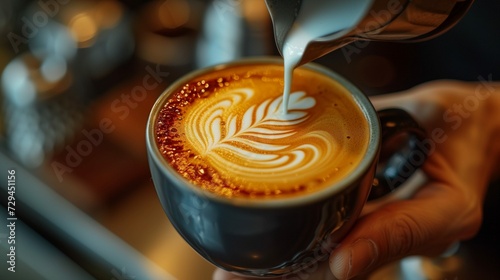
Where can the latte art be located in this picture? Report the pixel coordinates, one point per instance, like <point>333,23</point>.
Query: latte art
<point>251,145</point>
<point>227,133</point>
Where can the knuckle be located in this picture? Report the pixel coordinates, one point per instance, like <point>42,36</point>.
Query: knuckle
<point>469,218</point>
<point>403,236</point>
<point>472,219</point>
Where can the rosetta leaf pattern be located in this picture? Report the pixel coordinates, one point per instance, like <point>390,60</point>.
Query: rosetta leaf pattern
<point>257,121</point>
<point>260,143</point>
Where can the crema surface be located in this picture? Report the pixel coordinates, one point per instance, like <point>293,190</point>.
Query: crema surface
<point>226,132</point>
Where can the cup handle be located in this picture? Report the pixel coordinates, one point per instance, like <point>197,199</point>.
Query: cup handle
<point>401,151</point>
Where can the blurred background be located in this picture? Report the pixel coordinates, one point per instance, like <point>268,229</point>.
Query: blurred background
<point>78,79</point>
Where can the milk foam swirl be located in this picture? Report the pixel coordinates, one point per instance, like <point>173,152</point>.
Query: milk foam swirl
<point>225,131</point>
<point>258,143</point>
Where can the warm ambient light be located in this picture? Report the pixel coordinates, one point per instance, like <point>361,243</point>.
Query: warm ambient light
<point>108,13</point>
<point>83,28</point>
<point>174,13</point>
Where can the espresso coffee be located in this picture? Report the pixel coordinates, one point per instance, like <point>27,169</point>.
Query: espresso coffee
<point>226,132</point>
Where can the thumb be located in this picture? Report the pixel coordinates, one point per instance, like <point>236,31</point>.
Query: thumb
<point>420,226</point>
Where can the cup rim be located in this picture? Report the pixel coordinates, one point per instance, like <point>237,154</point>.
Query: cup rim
<point>359,97</point>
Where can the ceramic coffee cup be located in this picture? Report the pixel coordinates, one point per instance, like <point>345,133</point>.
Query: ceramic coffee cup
<point>273,237</point>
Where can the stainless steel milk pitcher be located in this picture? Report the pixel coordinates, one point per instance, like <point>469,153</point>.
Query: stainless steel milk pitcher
<point>376,20</point>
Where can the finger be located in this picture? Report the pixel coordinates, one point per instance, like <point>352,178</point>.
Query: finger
<point>405,191</point>
<point>421,226</point>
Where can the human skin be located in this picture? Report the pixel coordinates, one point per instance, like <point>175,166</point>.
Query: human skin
<point>462,120</point>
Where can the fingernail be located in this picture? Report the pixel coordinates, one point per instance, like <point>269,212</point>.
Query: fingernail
<point>363,254</point>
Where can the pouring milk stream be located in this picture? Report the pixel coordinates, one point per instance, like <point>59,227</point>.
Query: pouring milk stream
<point>315,20</point>
<point>307,29</point>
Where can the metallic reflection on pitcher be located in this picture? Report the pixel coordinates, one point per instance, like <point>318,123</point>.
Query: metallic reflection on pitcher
<point>312,28</point>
